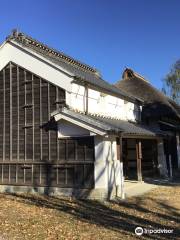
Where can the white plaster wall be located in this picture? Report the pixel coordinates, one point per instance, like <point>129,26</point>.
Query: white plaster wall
<point>67,129</point>
<point>100,165</point>
<point>78,100</point>
<point>103,104</point>
<point>107,167</point>
<point>95,102</point>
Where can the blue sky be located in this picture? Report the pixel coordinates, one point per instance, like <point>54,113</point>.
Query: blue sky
<point>106,34</point>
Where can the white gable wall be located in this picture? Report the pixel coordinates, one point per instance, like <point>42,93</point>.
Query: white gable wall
<point>10,53</point>
<point>67,129</point>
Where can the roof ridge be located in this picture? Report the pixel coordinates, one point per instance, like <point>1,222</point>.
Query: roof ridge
<point>103,116</point>
<point>129,73</point>
<point>24,38</point>
<point>78,70</point>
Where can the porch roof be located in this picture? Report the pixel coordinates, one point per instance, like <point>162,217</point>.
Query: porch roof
<point>106,125</point>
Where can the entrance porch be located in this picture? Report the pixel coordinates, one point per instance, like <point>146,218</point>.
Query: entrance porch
<point>140,158</point>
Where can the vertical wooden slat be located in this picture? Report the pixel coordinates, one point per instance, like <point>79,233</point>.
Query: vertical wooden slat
<point>40,110</point>
<point>33,116</point>
<point>40,175</point>
<point>10,65</point>
<point>4,115</point>
<point>32,173</point>
<point>65,176</point>
<point>25,115</point>
<point>9,169</point>
<point>24,170</point>
<point>49,138</point>
<point>85,152</point>
<point>57,142</point>
<point>76,157</point>
<point>17,113</point>
<point>139,159</point>
<point>16,173</point>
<point>57,98</point>
<point>2,173</point>
<point>32,167</point>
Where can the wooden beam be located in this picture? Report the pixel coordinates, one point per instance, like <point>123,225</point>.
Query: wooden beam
<point>139,159</point>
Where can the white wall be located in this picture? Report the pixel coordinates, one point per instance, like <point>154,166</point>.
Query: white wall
<point>103,104</point>
<point>67,129</point>
<point>37,65</point>
<point>107,167</point>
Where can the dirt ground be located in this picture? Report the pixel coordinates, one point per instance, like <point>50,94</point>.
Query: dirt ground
<point>39,217</point>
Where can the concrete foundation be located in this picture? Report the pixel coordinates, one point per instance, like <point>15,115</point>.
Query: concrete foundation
<point>96,194</point>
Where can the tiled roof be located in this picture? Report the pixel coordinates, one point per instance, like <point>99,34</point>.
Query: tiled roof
<point>81,71</point>
<point>112,125</point>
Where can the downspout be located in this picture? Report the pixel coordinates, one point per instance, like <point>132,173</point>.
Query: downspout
<point>86,99</point>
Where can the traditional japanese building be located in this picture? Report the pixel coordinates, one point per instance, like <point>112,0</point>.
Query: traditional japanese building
<point>64,130</point>
<point>158,111</point>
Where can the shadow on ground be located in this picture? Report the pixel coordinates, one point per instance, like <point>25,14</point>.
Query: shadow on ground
<point>119,216</point>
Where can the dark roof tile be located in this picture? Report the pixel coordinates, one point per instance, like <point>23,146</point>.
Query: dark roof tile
<point>82,72</point>
<point>112,125</point>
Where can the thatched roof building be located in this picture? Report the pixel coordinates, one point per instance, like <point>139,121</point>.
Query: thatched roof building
<point>156,104</point>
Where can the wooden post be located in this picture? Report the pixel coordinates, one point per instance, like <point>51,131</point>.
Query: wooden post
<point>139,159</point>
<point>119,148</point>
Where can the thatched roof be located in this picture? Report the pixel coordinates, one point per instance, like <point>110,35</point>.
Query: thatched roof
<point>156,104</point>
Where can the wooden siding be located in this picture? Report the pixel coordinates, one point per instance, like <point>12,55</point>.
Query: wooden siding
<point>30,155</point>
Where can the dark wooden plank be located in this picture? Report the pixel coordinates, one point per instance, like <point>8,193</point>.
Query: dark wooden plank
<point>4,116</point>
<point>139,159</point>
